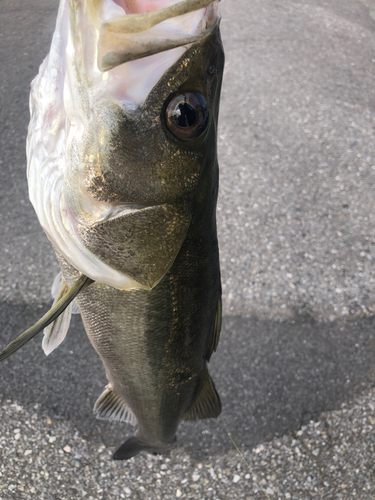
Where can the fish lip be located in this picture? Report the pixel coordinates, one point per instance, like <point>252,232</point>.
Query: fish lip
<point>116,43</point>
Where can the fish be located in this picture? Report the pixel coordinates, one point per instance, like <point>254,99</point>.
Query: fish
<point>123,175</point>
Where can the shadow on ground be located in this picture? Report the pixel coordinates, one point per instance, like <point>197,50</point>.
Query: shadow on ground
<point>272,377</point>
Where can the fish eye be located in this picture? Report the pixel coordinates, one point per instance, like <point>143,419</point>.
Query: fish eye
<point>187,116</point>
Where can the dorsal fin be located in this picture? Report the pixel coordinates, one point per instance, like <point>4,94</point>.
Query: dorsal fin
<point>75,309</point>
<point>216,332</point>
<point>207,404</point>
<point>109,406</point>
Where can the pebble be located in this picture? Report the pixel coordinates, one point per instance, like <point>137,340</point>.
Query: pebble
<point>346,457</point>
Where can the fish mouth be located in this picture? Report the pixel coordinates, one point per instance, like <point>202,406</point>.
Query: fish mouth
<point>148,30</point>
<point>134,44</point>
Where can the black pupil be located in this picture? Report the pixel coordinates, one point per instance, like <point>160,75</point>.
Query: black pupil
<point>185,115</point>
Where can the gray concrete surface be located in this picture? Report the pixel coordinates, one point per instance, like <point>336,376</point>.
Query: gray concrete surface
<point>297,155</point>
<point>295,365</point>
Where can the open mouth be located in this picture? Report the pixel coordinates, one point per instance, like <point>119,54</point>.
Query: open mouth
<point>143,6</point>
<point>150,27</point>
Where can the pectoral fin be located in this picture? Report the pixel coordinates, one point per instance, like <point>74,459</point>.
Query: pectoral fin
<point>57,285</point>
<point>207,403</point>
<point>56,332</point>
<point>75,309</point>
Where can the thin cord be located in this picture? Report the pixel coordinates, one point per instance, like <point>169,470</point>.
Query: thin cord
<point>244,459</point>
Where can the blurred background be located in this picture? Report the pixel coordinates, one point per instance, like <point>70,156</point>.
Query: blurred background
<point>296,230</point>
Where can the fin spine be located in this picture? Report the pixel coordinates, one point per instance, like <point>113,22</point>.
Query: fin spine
<point>109,406</point>
<point>207,404</point>
<point>217,329</point>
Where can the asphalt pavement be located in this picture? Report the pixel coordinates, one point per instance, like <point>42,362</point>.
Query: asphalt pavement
<point>296,361</point>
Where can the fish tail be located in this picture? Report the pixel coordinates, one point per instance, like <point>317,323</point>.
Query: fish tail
<point>134,445</point>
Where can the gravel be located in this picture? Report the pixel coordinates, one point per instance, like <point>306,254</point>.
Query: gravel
<point>331,458</point>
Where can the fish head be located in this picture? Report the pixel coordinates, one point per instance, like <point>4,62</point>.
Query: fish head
<point>135,160</point>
